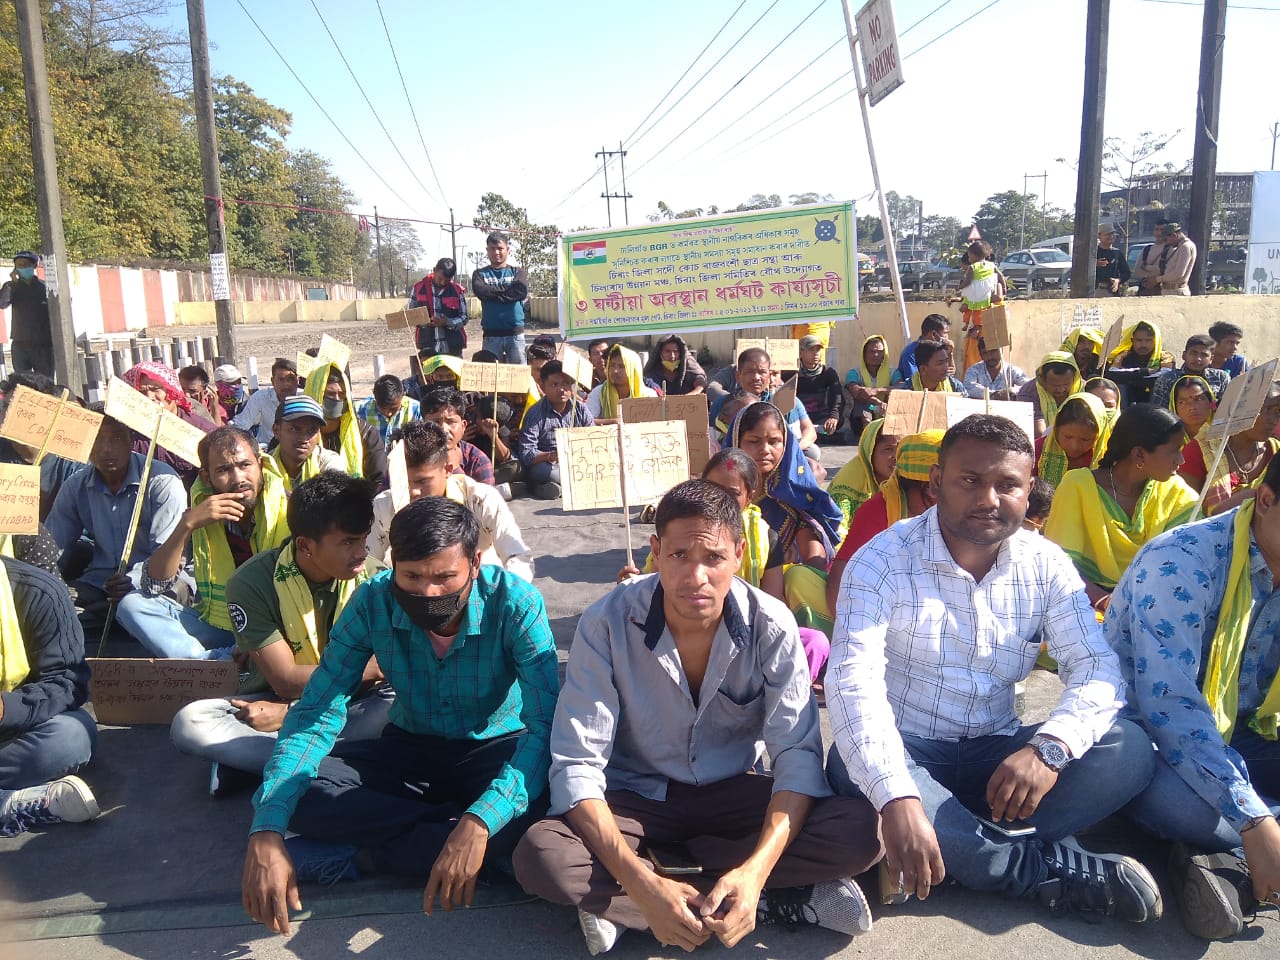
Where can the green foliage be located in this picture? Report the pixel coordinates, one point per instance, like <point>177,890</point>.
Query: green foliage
<point>1002,216</point>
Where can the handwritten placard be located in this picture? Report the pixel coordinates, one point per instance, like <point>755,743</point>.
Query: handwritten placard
<point>1112,339</point>
<point>1080,318</point>
<point>577,364</point>
<point>591,473</point>
<point>783,354</point>
<point>784,398</point>
<point>995,327</point>
<point>1241,401</point>
<point>1019,411</point>
<point>330,351</point>
<point>19,498</point>
<point>180,437</point>
<point>692,409</point>
<point>490,377</point>
<point>403,319</point>
<point>914,411</point>
<point>138,413</point>
<point>31,412</point>
<point>129,691</point>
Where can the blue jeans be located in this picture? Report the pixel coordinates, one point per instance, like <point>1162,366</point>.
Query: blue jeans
<point>506,349</point>
<point>171,631</point>
<point>952,776</point>
<point>544,472</point>
<point>1169,808</point>
<point>61,745</point>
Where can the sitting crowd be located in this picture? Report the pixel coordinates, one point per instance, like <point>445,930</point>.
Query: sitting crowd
<point>401,709</point>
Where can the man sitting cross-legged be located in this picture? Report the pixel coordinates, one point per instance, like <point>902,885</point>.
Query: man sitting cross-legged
<point>459,772</point>
<point>427,457</point>
<point>282,604</point>
<point>937,618</point>
<point>237,510</point>
<point>677,683</point>
<point>1194,620</point>
<point>45,733</point>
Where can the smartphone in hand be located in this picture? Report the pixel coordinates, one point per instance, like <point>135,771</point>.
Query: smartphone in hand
<point>672,860</point>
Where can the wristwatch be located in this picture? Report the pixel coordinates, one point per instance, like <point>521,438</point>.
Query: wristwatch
<point>1050,751</point>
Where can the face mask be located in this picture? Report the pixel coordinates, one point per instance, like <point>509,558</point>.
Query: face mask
<point>672,365</point>
<point>430,613</point>
<point>334,409</point>
<point>230,392</point>
<point>26,273</point>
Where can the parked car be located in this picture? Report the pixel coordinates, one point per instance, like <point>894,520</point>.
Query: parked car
<point>910,271</point>
<point>942,276</point>
<point>1036,268</point>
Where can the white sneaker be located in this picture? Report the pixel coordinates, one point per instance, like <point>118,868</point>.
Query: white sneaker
<point>600,934</point>
<point>838,905</point>
<point>68,800</point>
<point>505,490</point>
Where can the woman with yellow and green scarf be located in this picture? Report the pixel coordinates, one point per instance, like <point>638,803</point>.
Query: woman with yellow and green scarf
<point>1078,438</point>
<point>1101,517</point>
<point>1135,363</point>
<point>441,369</point>
<point>1242,463</point>
<point>1085,344</point>
<point>868,383</point>
<point>624,378</point>
<point>1191,401</point>
<point>858,480</point>
<point>342,430</point>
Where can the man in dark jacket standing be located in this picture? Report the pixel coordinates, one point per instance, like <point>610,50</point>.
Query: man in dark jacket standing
<point>502,289</point>
<point>30,336</point>
<point>446,303</point>
<point>1112,268</point>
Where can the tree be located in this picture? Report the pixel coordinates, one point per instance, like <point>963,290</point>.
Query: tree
<point>322,245</point>
<point>904,213</point>
<point>1002,217</point>
<point>869,232</point>
<point>1127,165</point>
<point>401,257</point>
<point>758,201</point>
<point>532,245</point>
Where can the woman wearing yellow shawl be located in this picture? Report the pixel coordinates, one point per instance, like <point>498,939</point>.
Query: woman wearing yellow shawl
<point>1085,344</point>
<point>1135,361</point>
<point>859,479</point>
<point>868,384</point>
<point>328,387</point>
<point>1057,377</point>
<point>624,378</point>
<point>1078,438</point>
<point>1101,517</point>
<point>1242,464</point>
<point>442,368</point>
<point>1191,401</point>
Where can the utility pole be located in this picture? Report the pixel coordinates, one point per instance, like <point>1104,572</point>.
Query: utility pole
<point>607,195</point>
<point>48,197</point>
<point>211,174</point>
<point>1204,162</point>
<point>377,239</point>
<point>1089,170</point>
<point>1044,185</point>
<point>1275,135</point>
<point>452,230</point>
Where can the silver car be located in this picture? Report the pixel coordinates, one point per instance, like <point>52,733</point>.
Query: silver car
<point>1036,268</point>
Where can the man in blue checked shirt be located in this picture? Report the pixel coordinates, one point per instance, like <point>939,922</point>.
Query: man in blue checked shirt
<point>388,409</point>
<point>459,772</point>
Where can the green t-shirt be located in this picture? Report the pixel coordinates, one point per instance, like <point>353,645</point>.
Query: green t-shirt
<point>254,608</point>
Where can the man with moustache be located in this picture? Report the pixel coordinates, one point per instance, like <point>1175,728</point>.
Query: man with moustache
<point>237,510</point>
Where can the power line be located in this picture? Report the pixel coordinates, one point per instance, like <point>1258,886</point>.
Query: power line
<point>733,87</point>
<point>1230,6</point>
<point>769,125</point>
<point>950,30</point>
<point>698,82</point>
<point>372,109</point>
<point>320,107</point>
<point>923,19</point>
<point>413,113</point>
<point>778,133</point>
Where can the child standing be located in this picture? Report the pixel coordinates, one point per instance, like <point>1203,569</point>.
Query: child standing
<point>983,287</point>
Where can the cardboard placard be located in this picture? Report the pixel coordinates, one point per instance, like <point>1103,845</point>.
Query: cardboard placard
<point>783,354</point>
<point>913,411</point>
<point>576,364</point>
<point>491,377</point>
<point>784,398</point>
<point>129,691</point>
<point>995,327</point>
<point>19,499</point>
<point>1241,401</point>
<point>30,414</point>
<point>692,409</point>
<point>330,351</point>
<point>404,319</point>
<point>1112,339</point>
<point>655,455</point>
<point>398,472</point>
<point>138,413</point>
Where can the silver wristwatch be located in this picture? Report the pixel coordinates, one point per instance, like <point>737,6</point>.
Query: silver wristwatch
<point>1053,753</point>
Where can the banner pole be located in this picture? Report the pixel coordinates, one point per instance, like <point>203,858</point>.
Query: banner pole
<point>134,520</point>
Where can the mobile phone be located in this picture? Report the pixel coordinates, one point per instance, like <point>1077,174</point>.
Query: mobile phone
<point>673,860</point>
<point>1014,829</point>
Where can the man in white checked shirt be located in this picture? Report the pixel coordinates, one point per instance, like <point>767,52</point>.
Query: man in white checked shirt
<point>937,618</point>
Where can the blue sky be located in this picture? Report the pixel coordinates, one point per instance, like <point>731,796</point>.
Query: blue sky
<point>516,97</point>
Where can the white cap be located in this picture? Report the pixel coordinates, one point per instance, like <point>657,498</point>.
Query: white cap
<point>227,373</point>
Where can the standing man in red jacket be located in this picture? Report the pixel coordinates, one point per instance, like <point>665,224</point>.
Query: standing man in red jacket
<point>446,302</point>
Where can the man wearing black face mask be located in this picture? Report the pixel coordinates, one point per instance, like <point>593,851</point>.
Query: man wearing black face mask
<point>460,771</point>
<point>30,336</point>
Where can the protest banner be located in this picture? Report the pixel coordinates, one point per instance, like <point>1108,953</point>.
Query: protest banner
<point>692,409</point>
<point>56,426</point>
<point>653,458</point>
<point>784,354</point>
<point>914,411</point>
<point>761,268</point>
<point>134,691</point>
<point>1079,318</point>
<point>138,413</point>
<point>19,499</point>
<point>404,319</point>
<point>494,377</point>
<point>576,364</point>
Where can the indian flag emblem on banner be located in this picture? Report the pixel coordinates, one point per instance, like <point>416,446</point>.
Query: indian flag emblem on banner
<point>589,252</point>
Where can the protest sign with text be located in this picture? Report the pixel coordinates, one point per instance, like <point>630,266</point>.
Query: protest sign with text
<point>19,499</point>
<point>32,413</point>
<point>128,691</point>
<point>330,351</point>
<point>762,268</point>
<point>653,458</point>
<point>783,354</point>
<point>495,377</point>
<point>914,411</point>
<point>139,413</point>
<point>692,409</point>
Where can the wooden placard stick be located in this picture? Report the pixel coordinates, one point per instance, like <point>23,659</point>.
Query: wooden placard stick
<point>622,489</point>
<point>134,520</point>
<point>495,395</point>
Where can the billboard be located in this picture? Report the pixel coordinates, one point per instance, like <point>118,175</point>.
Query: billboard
<point>1262,266</point>
<point>758,268</point>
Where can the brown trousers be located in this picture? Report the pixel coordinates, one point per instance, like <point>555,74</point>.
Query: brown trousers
<point>720,824</point>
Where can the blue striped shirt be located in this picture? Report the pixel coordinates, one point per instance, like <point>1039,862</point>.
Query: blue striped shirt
<point>499,677</point>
